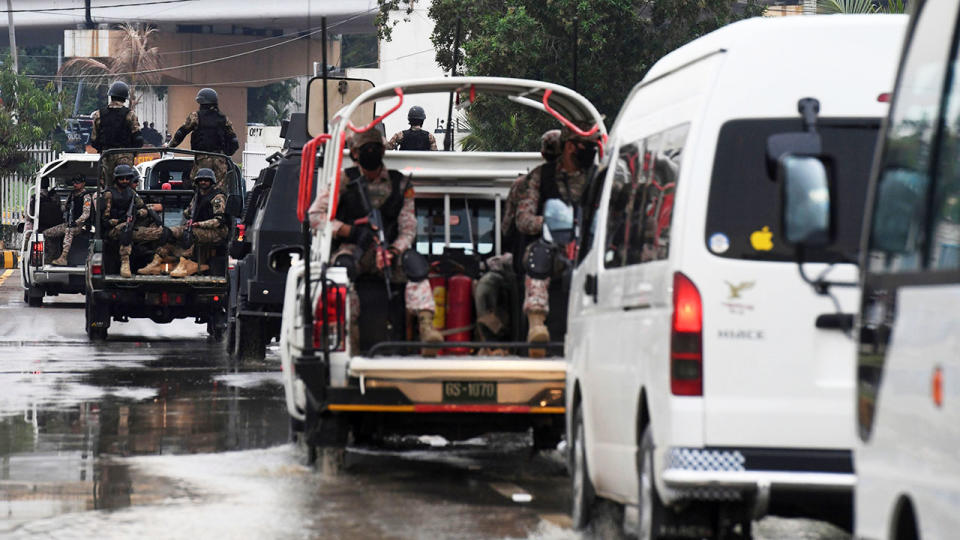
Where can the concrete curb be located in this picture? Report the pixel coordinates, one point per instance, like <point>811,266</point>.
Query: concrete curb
<point>10,258</point>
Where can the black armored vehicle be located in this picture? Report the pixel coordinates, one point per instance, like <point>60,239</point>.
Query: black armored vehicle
<point>168,190</point>
<point>267,235</point>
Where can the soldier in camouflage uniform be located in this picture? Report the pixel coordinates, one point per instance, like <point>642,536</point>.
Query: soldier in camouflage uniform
<point>117,213</point>
<point>415,138</point>
<point>491,293</point>
<point>211,132</point>
<point>354,241</point>
<point>115,126</point>
<point>564,179</point>
<point>207,222</point>
<point>76,212</point>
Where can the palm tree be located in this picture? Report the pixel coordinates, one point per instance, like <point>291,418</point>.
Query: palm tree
<point>860,6</point>
<point>135,62</point>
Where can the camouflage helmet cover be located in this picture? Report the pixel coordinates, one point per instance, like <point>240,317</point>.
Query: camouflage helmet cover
<point>550,147</point>
<point>119,90</point>
<point>207,96</point>
<point>205,174</point>
<point>416,114</point>
<point>124,171</point>
<point>371,135</point>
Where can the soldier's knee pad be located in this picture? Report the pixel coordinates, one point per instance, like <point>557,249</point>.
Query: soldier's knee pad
<point>348,261</point>
<point>415,265</point>
<point>539,260</point>
<point>166,236</point>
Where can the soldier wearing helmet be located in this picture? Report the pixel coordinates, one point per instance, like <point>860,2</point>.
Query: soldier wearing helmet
<point>211,132</point>
<point>76,213</point>
<point>415,138</point>
<point>354,245</point>
<point>206,219</point>
<point>121,208</point>
<point>115,126</point>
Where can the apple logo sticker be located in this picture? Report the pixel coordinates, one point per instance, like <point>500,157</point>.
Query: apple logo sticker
<point>762,240</point>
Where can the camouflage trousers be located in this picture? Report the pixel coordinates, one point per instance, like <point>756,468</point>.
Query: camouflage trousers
<point>492,297</point>
<point>218,165</point>
<point>535,295</point>
<point>141,235</point>
<point>67,233</point>
<point>418,296</point>
<point>201,238</point>
<point>108,163</point>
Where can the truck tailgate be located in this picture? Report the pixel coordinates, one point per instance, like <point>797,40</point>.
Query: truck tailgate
<point>440,368</point>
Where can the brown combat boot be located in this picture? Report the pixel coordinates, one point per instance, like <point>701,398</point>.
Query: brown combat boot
<point>538,332</point>
<point>125,266</point>
<point>155,268</point>
<point>185,268</point>
<point>428,333</point>
<point>60,261</point>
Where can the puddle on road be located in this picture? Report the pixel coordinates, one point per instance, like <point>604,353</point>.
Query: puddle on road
<point>70,414</point>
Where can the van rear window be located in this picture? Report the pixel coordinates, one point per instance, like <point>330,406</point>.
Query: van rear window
<point>744,217</point>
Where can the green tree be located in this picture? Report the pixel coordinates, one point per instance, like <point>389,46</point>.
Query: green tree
<point>617,41</point>
<point>29,113</point>
<point>270,104</point>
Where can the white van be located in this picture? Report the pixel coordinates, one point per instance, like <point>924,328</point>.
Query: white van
<point>707,383</point>
<point>908,414</point>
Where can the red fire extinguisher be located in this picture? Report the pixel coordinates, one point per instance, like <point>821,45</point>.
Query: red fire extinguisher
<point>459,311</point>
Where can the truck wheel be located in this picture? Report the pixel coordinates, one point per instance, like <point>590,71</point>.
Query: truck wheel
<point>652,510</point>
<point>250,343</point>
<point>581,493</point>
<point>34,301</point>
<point>217,325</point>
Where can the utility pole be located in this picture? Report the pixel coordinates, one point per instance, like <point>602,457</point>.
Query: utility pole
<point>13,36</point>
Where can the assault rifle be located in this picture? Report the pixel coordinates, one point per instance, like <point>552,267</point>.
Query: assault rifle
<point>375,220</point>
<point>186,240</point>
<point>126,237</point>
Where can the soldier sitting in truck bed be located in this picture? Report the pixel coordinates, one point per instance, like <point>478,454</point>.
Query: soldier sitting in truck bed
<point>122,207</point>
<point>206,225</point>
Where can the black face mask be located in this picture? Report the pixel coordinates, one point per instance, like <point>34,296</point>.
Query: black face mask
<point>584,155</point>
<point>370,160</point>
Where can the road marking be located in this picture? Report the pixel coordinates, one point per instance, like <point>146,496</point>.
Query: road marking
<point>5,275</point>
<point>560,520</point>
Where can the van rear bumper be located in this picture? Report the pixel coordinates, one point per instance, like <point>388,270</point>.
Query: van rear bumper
<point>731,473</point>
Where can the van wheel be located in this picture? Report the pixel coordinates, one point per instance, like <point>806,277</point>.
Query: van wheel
<point>581,492</point>
<point>249,340</point>
<point>652,510</point>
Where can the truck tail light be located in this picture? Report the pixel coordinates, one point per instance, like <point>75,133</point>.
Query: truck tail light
<point>36,257</point>
<point>333,312</point>
<point>686,339</point>
<point>96,269</point>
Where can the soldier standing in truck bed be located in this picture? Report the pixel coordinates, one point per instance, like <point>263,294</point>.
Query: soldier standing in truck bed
<point>211,132</point>
<point>415,138</point>
<point>115,126</point>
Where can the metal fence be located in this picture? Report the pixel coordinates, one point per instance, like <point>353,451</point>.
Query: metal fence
<point>14,195</point>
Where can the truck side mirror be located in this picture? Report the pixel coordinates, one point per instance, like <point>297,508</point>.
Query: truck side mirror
<point>806,200</point>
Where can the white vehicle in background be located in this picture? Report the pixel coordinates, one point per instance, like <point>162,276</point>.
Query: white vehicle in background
<point>708,384</point>
<point>908,372</point>
<point>339,392</point>
<point>38,276</point>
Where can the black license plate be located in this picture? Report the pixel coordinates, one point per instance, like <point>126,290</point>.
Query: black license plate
<point>470,391</point>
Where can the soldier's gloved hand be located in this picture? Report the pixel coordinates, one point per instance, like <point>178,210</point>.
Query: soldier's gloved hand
<point>142,212</point>
<point>362,236</point>
<point>114,222</point>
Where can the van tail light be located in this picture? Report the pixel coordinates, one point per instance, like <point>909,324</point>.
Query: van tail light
<point>333,312</point>
<point>686,339</point>
<point>96,269</point>
<point>36,258</point>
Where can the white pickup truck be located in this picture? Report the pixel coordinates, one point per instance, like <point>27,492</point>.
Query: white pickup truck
<point>335,394</point>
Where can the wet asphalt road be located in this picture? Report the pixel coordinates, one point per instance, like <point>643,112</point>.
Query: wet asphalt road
<point>157,434</point>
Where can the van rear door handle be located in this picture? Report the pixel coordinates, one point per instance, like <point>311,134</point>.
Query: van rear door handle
<point>835,321</point>
<point>590,286</point>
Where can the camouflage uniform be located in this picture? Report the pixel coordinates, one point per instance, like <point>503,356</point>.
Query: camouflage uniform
<point>219,165</point>
<point>117,226</point>
<point>109,163</point>
<point>209,232</point>
<point>67,232</point>
<point>394,142</point>
<point>417,295</point>
<point>529,223</point>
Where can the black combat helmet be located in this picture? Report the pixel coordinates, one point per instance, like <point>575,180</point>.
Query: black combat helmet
<point>205,173</point>
<point>124,171</point>
<point>207,96</point>
<point>416,115</point>
<point>119,90</point>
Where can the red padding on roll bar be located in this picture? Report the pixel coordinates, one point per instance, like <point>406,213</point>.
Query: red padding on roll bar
<point>377,120</point>
<point>308,159</point>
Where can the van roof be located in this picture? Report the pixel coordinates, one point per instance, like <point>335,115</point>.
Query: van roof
<point>750,35</point>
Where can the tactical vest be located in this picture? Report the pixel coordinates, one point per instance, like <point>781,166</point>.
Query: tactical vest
<point>205,206</point>
<point>114,132</point>
<point>415,139</point>
<point>515,241</point>
<point>548,186</point>
<point>351,208</point>
<point>74,206</point>
<point>120,203</point>
<point>209,136</point>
